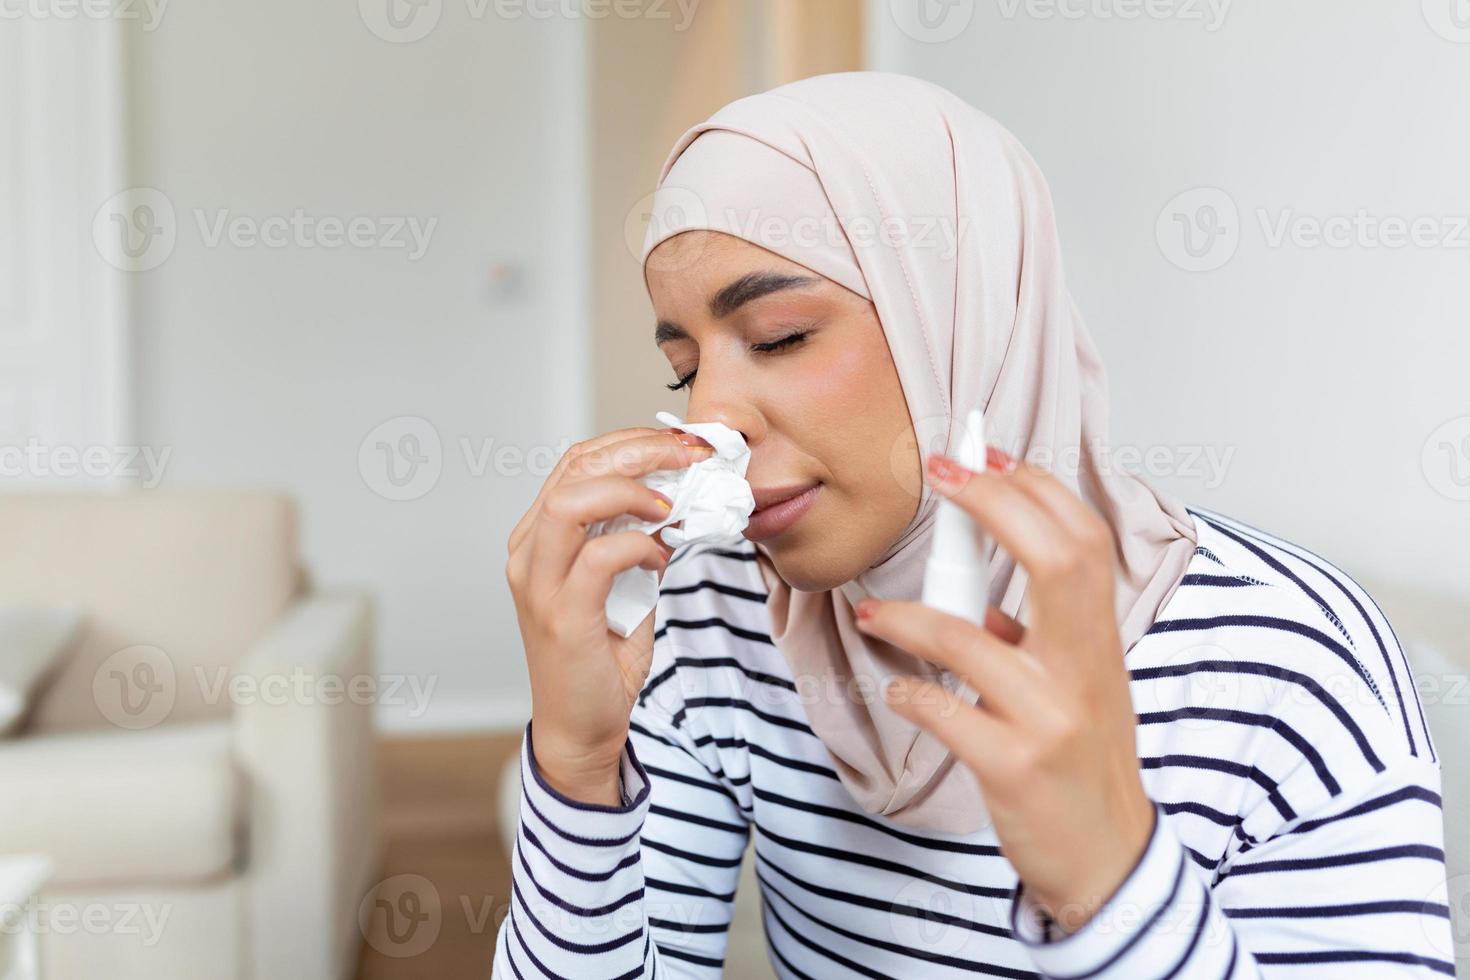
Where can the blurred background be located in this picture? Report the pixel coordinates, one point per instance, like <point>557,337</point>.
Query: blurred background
<point>300,303</point>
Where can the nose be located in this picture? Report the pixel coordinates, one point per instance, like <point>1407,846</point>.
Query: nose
<point>709,403</point>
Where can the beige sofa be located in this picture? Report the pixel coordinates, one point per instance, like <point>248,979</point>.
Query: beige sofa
<point>207,800</point>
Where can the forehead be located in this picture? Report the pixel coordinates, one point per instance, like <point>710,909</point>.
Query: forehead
<point>692,265</point>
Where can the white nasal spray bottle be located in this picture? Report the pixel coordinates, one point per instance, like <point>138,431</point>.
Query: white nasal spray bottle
<point>956,579</point>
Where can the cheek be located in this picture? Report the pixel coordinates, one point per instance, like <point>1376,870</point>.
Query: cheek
<point>842,390</point>
<point>856,420</point>
<point>826,407</point>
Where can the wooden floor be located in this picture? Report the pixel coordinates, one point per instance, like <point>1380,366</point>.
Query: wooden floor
<point>444,867</point>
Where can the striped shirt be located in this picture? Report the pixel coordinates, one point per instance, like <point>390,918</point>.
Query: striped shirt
<point>1299,830</point>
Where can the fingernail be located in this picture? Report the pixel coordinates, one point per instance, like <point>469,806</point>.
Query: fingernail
<point>865,608</point>
<point>998,460</point>
<point>691,440</point>
<point>944,470</point>
<point>663,501</point>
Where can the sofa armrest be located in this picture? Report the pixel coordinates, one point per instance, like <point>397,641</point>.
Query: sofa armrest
<point>304,736</point>
<point>35,642</point>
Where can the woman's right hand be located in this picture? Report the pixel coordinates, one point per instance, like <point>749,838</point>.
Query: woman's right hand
<point>585,678</point>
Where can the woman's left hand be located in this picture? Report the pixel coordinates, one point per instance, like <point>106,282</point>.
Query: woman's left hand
<point>1052,740</point>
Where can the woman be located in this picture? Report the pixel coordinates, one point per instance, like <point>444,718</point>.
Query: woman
<point>1196,751</point>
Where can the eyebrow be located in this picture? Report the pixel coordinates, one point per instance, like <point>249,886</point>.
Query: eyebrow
<point>746,289</point>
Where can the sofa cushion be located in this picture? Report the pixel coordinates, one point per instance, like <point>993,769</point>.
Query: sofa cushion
<point>174,587</point>
<point>160,805</point>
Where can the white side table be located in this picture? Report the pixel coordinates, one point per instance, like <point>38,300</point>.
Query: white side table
<point>21,879</point>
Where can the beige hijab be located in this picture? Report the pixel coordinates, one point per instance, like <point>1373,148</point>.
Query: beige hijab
<point>903,193</point>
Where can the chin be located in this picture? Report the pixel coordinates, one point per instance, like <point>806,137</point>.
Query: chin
<point>811,568</point>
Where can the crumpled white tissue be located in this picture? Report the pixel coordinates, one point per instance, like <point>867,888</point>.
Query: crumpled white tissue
<point>712,500</point>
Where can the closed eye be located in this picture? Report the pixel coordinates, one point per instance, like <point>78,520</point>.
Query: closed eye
<point>790,340</point>
<point>769,347</point>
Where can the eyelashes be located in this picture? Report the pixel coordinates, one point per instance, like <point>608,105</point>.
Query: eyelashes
<point>790,340</point>
<point>769,347</point>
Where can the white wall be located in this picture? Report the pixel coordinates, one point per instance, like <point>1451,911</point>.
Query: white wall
<point>271,365</point>
<point>1327,371</point>
<point>1324,370</point>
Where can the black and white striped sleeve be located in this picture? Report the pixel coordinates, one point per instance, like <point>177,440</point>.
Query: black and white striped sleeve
<point>642,890</point>
<point>1353,890</point>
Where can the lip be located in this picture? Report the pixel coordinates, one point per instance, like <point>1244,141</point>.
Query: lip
<point>778,508</point>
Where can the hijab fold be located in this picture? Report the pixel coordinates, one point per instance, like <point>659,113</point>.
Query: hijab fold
<point>905,194</point>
